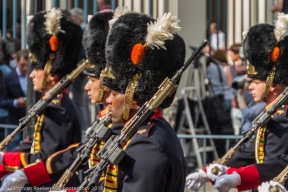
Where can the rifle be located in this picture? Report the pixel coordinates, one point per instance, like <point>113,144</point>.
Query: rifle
<point>112,152</point>
<point>261,120</point>
<point>100,131</point>
<point>39,107</point>
<point>281,178</point>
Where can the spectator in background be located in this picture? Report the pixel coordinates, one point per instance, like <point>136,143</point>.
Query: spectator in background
<point>3,112</point>
<point>218,105</point>
<point>281,5</point>
<point>238,68</point>
<point>4,69</point>
<point>80,97</point>
<point>220,55</point>
<point>104,6</point>
<point>13,97</point>
<point>77,15</point>
<point>217,38</point>
<point>246,104</point>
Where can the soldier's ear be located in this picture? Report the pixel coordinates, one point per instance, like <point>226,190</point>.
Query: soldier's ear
<point>53,77</point>
<point>136,104</point>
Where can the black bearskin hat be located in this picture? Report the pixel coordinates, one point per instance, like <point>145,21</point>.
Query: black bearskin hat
<point>153,63</point>
<point>94,40</point>
<point>68,35</point>
<point>262,52</point>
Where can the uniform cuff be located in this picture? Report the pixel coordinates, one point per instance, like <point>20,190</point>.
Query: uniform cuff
<point>37,174</point>
<point>12,159</point>
<point>250,178</point>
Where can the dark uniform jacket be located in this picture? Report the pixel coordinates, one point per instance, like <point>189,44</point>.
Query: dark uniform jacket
<point>154,160</point>
<point>275,154</point>
<point>12,90</point>
<point>38,174</point>
<point>60,128</point>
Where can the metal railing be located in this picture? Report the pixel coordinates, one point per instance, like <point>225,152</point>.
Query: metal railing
<point>227,138</point>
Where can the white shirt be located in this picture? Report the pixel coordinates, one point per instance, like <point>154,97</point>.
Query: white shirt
<point>213,40</point>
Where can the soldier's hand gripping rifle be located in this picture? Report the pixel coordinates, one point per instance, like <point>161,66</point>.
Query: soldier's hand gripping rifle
<point>39,107</point>
<point>281,178</point>
<point>112,152</point>
<point>100,131</point>
<point>261,120</point>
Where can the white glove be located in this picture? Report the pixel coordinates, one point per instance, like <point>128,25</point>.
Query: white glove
<point>276,184</point>
<point>264,187</point>
<point>225,182</point>
<point>1,157</point>
<point>195,180</point>
<point>222,170</point>
<point>14,181</point>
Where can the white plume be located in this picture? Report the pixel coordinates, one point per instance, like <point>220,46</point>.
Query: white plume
<point>244,34</point>
<point>162,30</point>
<point>52,22</point>
<point>119,11</point>
<point>281,26</point>
<point>89,17</point>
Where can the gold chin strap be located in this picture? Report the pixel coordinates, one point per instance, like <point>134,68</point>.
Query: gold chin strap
<point>101,88</point>
<point>108,72</point>
<point>133,83</point>
<point>47,69</point>
<point>269,82</point>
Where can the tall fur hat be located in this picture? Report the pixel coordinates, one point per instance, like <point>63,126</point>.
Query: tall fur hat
<point>137,45</point>
<point>265,47</point>
<point>53,32</point>
<point>94,40</point>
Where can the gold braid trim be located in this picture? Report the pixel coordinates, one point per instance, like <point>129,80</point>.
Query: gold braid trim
<point>269,82</point>
<point>111,176</point>
<point>101,87</point>
<point>36,145</point>
<point>11,168</point>
<point>129,93</point>
<point>51,157</point>
<point>94,160</point>
<point>47,69</point>
<point>259,145</point>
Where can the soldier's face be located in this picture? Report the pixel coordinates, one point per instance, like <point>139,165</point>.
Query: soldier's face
<point>92,88</point>
<point>37,78</point>
<point>115,102</point>
<point>257,88</point>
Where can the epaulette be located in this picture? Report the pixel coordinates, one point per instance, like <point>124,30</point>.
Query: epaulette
<point>143,131</point>
<point>57,99</point>
<point>281,111</point>
<point>103,112</point>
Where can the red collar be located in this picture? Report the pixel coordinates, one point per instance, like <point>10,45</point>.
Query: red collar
<point>157,114</point>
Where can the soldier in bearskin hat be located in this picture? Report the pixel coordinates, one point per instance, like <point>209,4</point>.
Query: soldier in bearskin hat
<point>94,40</point>
<point>54,41</point>
<point>142,52</point>
<point>265,50</point>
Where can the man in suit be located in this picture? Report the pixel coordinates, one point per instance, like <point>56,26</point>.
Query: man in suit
<point>13,97</point>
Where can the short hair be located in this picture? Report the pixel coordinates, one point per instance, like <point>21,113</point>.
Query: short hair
<point>77,12</point>
<point>235,48</point>
<point>213,26</point>
<point>107,2</point>
<point>22,53</point>
<point>65,12</point>
<point>220,55</point>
